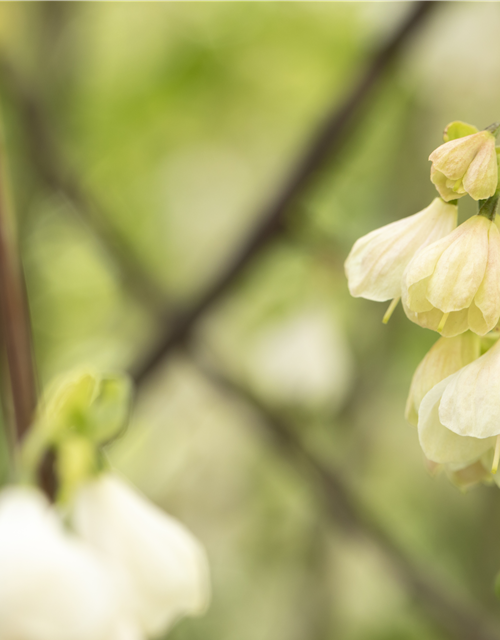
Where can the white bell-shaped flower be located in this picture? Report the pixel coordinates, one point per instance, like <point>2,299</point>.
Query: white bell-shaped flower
<point>164,565</point>
<point>52,586</point>
<point>440,443</point>
<point>445,357</point>
<point>459,419</point>
<point>377,261</point>
<point>466,165</point>
<point>454,284</point>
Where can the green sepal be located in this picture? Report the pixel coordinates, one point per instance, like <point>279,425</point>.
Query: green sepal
<point>458,129</point>
<point>109,411</point>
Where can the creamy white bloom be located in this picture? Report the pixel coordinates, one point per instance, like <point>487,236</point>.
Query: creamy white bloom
<point>445,357</point>
<point>470,403</point>
<point>466,165</point>
<point>163,564</point>
<point>52,586</point>
<point>454,284</point>
<point>441,444</point>
<point>459,419</point>
<point>377,261</point>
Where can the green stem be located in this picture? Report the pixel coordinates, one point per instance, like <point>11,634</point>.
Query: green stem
<point>493,128</point>
<point>488,208</point>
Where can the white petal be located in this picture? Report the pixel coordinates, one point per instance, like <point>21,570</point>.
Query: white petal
<point>461,267</point>
<point>454,157</point>
<point>484,313</point>
<point>446,357</point>
<point>52,587</point>
<point>165,565</point>
<point>439,443</point>
<point>481,178</point>
<point>376,263</point>
<point>470,405</point>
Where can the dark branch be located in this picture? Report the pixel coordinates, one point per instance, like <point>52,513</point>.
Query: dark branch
<point>15,320</point>
<point>326,144</point>
<point>347,511</point>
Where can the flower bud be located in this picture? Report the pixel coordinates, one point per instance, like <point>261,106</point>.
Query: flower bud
<point>454,284</point>
<point>377,261</point>
<point>163,564</point>
<point>52,586</point>
<point>447,356</point>
<point>466,165</point>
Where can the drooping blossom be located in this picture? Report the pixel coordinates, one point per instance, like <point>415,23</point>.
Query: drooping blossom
<point>459,418</point>
<point>377,261</point>
<point>53,586</point>
<point>162,563</point>
<point>445,357</point>
<point>454,284</point>
<point>466,165</point>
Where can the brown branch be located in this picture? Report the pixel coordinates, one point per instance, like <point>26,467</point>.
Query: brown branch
<point>325,145</point>
<point>15,321</point>
<point>346,510</point>
<point>52,167</point>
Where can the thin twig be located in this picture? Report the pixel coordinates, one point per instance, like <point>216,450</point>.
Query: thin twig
<point>15,320</point>
<point>345,508</point>
<point>327,143</point>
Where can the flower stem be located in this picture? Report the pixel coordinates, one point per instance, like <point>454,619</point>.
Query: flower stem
<point>15,320</point>
<point>493,128</point>
<point>488,208</point>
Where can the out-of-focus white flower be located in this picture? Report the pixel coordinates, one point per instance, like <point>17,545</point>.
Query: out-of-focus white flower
<point>164,566</point>
<point>52,586</point>
<point>377,261</point>
<point>466,165</point>
<point>302,359</point>
<point>454,284</point>
<point>446,356</point>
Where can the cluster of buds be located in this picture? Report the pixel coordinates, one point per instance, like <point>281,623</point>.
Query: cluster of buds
<point>448,279</point>
<point>102,563</point>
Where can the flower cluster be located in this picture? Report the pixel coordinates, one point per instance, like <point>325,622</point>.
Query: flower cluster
<point>102,563</point>
<point>448,279</point>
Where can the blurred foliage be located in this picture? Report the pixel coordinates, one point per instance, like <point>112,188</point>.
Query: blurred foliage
<point>182,120</point>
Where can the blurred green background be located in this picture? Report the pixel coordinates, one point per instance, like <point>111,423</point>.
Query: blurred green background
<point>181,121</point>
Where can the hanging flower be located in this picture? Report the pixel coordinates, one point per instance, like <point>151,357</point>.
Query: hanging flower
<point>454,284</point>
<point>52,587</point>
<point>459,419</point>
<point>447,356</point>
<point>466,165</point>
<point>377,261</point>
<point>163,564</point>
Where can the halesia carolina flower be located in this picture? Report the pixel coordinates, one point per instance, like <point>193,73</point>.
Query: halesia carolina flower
<point>447,356</point>
<point>377,261</point>
<point>466,165</point>
<point>52,586</point>
<point>162,563</point>
<point>454,284</point>
<point>459,419</point>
